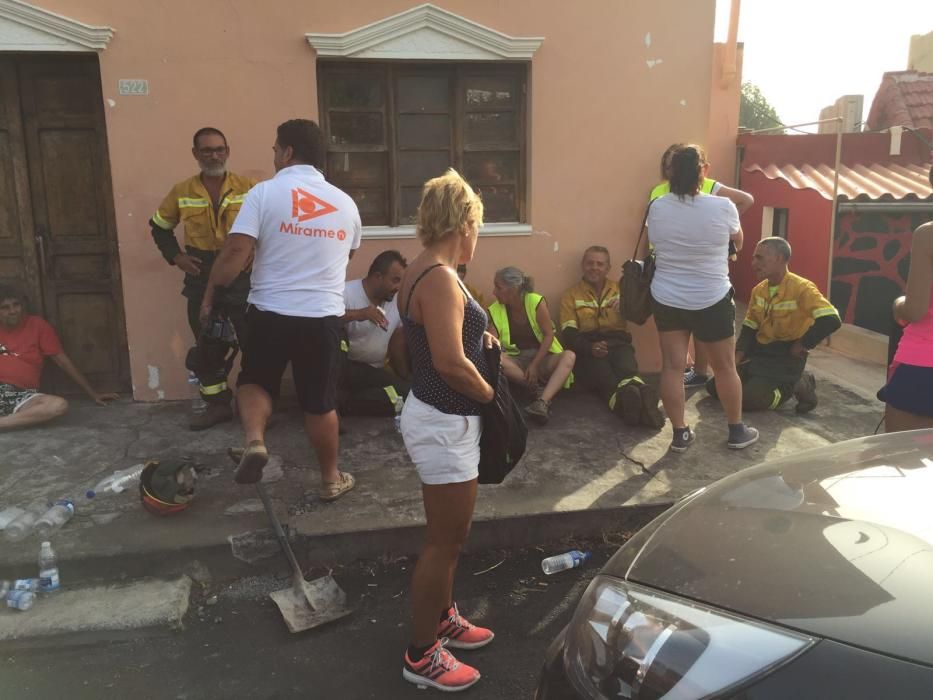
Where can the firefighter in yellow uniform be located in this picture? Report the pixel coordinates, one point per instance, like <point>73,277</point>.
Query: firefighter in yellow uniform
<point>787,317</point>
<point>206,205</point>
<point>593,327</point>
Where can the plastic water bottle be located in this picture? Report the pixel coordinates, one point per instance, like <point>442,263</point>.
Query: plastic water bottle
<point>20,600</point>
<point>8,515</point>
<point>5,587</point>
<point>118,481</point>
<point>561,562</point>
<point>56,516</point>
<point>22,526</point>
<point>48,568</point>
<point>198,404</point>
<point>399,405</point>
<point>26,584</point>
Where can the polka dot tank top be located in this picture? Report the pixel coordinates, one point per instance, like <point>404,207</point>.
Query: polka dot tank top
<point>427,384</point>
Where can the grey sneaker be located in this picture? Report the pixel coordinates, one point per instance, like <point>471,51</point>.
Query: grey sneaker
<point>805,393</point>
<point>741,436</point>
<point>538,411</point>
<point>683,438</point>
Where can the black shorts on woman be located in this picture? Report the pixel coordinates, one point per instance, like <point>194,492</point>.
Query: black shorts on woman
<point>709,325</point>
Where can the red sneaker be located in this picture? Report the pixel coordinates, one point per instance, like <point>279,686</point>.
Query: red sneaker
<point>461,633</point>
<point>440,670</point>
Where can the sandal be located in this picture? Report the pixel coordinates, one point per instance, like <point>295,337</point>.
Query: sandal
<point>332,490</point>
<point>252,462</point>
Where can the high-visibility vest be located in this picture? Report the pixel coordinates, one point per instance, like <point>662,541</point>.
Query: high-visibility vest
<point>664,188</point>
<point>500,319</point>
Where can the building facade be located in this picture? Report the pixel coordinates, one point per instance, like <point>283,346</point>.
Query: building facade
<point>557,113</point>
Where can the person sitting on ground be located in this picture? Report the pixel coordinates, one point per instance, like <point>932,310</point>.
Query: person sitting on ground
<point>697,372</point>
<point>594,329</point>
<point>374,333</point>
<point>25,342</point>
<point>532,352</point>
<point>908,395</point>
<point>787,317</point>
<point>462,273</point>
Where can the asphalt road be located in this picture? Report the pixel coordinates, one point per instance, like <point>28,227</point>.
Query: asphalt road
<point>239,647</point>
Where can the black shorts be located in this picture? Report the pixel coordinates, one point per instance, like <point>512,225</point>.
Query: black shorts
<point>709,325</point>
<point>910,389</point>
<point>312,345</point>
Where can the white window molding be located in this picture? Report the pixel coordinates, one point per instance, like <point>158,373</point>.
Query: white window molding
<point>425,32</point>
<point>24,27</point>
<point>487,230</point>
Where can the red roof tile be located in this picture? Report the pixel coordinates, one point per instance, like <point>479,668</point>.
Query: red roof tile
<point>905,98</point>
<point>861,182</point>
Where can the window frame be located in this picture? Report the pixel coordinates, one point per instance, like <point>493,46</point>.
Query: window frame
<point>389,73</point>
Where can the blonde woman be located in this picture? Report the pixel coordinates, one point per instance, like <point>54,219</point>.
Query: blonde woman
<point>446,333</point>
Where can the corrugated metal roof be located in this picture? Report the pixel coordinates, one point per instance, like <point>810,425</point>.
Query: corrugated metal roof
<point>863,182</point>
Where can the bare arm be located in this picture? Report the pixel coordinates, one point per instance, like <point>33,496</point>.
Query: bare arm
<point>543,316</point>
<point>398,354</point>
<point>236,255</point>
<point>439,308</point>
<point>743,201</point>
<point>916,303</point>
<point>63,361</point>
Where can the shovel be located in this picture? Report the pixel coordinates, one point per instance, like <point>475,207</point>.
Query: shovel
<point>305,604</point>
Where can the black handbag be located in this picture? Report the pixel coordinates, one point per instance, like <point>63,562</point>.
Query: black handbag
<point>502,442</point>
<point>635,283</point>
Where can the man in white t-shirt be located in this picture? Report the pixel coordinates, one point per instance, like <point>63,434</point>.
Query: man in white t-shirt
<point>374,334</point>
<point>300,232</point>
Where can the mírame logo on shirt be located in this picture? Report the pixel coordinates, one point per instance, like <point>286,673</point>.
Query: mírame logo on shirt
<point>306,206</point>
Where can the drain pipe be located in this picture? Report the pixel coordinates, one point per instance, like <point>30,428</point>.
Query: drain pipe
<point>835,204</point>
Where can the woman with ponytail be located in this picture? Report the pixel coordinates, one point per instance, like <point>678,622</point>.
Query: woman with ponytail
<point>690,232</point>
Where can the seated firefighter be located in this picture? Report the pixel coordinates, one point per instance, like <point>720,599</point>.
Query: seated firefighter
<point>373,335</point>
<point>787,317</point>
<point>592,325</point>
<point>532,354</point>
<point>25,342</point>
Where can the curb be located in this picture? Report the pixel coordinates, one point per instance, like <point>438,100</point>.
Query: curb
<point>216,562</point>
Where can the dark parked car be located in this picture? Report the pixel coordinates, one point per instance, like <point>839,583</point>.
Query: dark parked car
<point>805,578</point>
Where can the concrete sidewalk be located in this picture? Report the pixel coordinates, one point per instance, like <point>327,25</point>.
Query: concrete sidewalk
<point>585,471</point>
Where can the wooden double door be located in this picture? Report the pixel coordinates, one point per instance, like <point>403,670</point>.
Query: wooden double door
<point>57,228</point>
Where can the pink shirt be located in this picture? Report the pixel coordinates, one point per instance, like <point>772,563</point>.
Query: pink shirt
<point>916,346</point>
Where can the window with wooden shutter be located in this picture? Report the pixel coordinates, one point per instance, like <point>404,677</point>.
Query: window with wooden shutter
<point>391,126</point>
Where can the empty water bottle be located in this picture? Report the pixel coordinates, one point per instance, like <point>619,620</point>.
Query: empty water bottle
<point>56,516</point>
<point>20,600</point>
<point>26,584</point>
<point>22,526</point>
<point>48,568</point>
<point>5,587</point>
<point>198,404</point>
<point>118,481</point>
<point>8,515</point>
<point>399,405</point>
<point>565,561</point>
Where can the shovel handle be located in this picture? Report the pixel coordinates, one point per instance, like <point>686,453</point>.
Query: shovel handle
<point>279,533</point>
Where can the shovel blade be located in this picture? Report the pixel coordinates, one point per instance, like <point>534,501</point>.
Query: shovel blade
<point>308,604</point>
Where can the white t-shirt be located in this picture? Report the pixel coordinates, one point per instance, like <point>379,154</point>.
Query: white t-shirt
<point>305,229</point>
<point>368,342</point>
<point>691,243</point>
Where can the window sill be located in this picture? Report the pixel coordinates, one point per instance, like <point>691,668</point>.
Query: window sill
<point>497,229</point>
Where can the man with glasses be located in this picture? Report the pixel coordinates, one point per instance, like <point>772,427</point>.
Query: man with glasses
<point>206,204</point>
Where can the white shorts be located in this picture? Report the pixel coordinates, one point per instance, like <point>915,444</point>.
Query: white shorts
<point>444,447</point>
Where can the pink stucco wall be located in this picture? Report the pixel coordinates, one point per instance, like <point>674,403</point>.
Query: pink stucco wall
<point>599,118</point>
